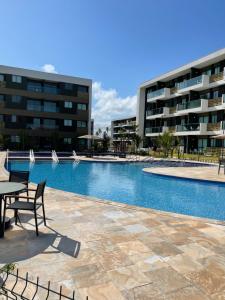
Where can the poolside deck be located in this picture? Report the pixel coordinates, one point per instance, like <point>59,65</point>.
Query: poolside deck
<point>199,173</point>
<point>112,251</point>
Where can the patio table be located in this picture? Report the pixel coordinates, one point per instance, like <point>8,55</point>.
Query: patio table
<point>7,188</point>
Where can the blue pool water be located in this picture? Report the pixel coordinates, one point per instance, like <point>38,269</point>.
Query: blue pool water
<point>127,183</point>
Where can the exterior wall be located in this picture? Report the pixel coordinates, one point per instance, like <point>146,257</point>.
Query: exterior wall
<point>50,91</point>
<point>122,127</point>
<point>189,102</point>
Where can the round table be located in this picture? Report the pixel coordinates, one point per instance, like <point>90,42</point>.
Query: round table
<point>7,188</point>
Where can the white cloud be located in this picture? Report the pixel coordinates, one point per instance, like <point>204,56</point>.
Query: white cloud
<point>108,105</point>
<point>49,68</point>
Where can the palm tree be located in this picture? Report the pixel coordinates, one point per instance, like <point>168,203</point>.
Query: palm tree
<point>166,142</point>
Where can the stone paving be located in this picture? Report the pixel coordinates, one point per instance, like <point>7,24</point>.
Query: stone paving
<point>202,173</point>
<point>112,251</point>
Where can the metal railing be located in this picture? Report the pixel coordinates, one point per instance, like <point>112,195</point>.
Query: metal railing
<point>16,287</point>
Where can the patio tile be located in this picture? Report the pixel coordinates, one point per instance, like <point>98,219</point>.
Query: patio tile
<point>136,228</point>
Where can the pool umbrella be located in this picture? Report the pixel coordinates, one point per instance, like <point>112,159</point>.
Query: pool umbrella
<point>218,137</point>
<point>90,137</point>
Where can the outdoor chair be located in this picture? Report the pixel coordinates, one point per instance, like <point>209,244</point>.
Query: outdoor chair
<point>21,177</point>
<point>221,164</point>
<point>28,205</point>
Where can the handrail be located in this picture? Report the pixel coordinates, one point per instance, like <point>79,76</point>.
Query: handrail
<point>75,156</point>
<point>32,157</point>
<point>54,156</point>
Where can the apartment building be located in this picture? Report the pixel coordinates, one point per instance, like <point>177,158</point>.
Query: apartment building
<point>189,102</point>
<point>121,132</point>
<point>43,110</point>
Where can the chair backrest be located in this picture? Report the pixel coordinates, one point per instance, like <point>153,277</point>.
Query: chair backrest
<point>19,176</point>
<point>40,190</point>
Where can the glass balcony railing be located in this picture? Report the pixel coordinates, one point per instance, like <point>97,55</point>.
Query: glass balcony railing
<point>190,82</point>
<point>188,127</point>
<point>156,93</point>
<point>189,105</point>
<point>153,112</point>
<point>153,130</point>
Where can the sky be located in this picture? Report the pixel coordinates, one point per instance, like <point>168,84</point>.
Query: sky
<point>118,44</point>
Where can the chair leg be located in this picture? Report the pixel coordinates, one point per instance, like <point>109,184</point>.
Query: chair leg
<point>36,223</point>
<point>3,221</point>
<point>16,216</point>
<point>219,170</point>
<point>43,209</point>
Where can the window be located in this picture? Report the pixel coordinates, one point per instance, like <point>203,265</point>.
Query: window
<point>50,106</point>
<point>214,118</point>
<point>49,123</point>
<point>50,88</point>
<point>34,87</point>
<point>68,104</point>
<point>36,123</point>
<point>1,118</point>
<point>81,106</point>
<point>15,139</point>
<point>13,118</point>
<point>68,86</point>
<point>215,94</point>
<point>81,124</point>
<point>82,89</point>
<point>204,119</point>
<point>202,143</point>
<point>67,141</point>
<point>68,122</point>
<point>217,70</point>
<point>1,77</point>
<point>16,78</point>
<point>34,105</point>
<point>2,98</point>
<point>208,72</point>
<point>16,99</point>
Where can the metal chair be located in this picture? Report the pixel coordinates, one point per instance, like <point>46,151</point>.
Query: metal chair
<point>27,205</point>
<point>221,164</point>
<point>21,177</point>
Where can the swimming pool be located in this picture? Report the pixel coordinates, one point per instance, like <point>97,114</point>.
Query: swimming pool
<point>127,183</point>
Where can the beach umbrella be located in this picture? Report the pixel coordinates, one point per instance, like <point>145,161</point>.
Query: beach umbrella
<point>218,137</point>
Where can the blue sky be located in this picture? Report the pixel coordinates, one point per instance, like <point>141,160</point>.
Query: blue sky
<point>118,44</point>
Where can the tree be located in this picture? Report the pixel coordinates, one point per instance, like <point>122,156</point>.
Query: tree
<point>166,142</point>
<point>136,139</point>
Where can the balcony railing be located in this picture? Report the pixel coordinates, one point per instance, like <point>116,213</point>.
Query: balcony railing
<point>156,93</point>
<point>189,105</point>
<point>216,77</point>
<point>156,111</point>
<point>214,126</point>
<point>214,102</point>
<point>190,82</point>
<point>153,129</point>
<point>188,127</point>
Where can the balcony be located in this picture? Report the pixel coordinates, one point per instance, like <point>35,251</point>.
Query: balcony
<point>158,112</point>
<point>217,79</point>
<point>191,129</point>
<point>196,83</point>
<point>159,94</point>
<point>155,131</point>
<point>198,105</point>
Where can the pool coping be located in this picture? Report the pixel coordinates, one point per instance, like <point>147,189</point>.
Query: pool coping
<point>128,206</point>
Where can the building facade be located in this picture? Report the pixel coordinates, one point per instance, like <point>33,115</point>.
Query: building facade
<point>43,111</point>
<point>189,102</point>
<point>121,132</point>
